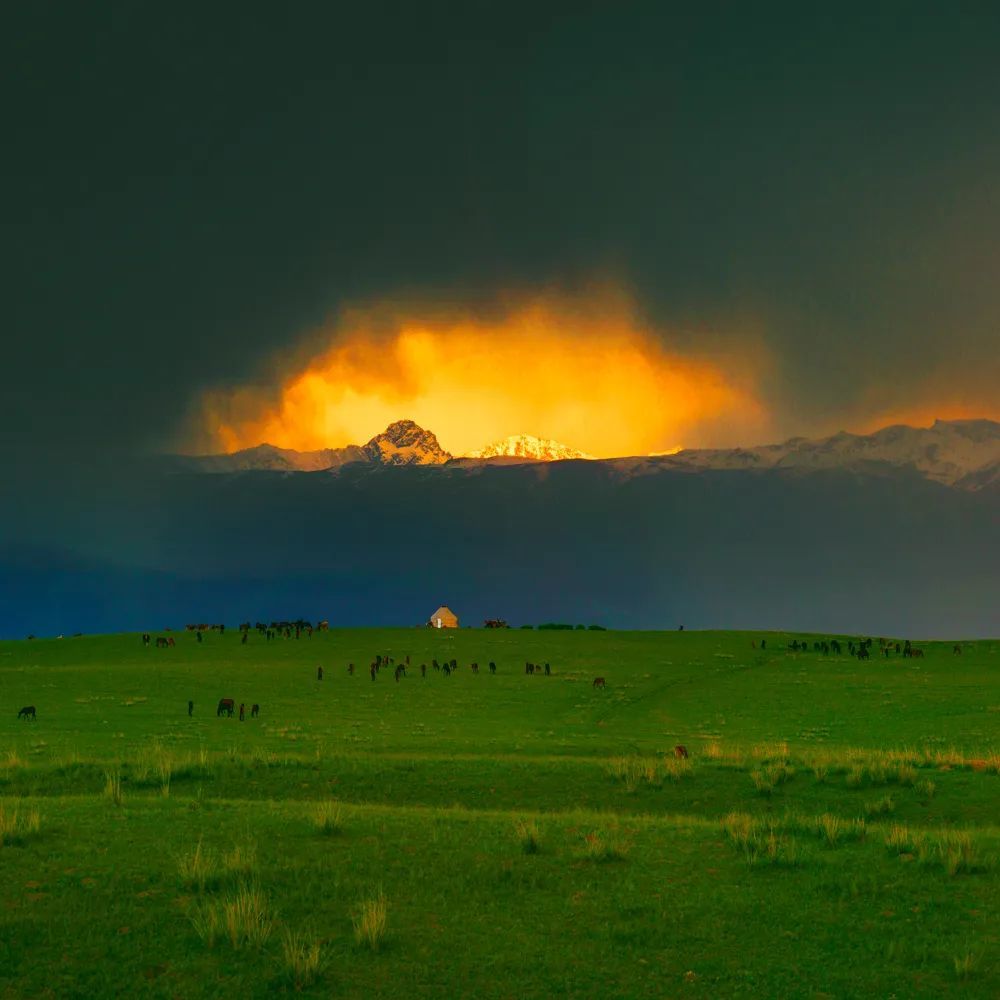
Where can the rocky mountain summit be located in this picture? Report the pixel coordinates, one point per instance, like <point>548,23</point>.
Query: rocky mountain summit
<point>404,443</point>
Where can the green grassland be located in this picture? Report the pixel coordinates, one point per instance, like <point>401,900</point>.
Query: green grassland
<point>834,833</point>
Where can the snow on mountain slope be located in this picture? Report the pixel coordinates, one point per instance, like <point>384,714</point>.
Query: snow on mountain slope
<point>954,452</point>
<point>528,446</point>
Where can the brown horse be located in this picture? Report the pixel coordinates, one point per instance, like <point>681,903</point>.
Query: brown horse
<point>599,682</point>
<point>28,712</point>
<point>226,707</point>
<point>680,752</point>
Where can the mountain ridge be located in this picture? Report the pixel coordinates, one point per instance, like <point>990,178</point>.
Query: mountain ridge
<point>964,454</point>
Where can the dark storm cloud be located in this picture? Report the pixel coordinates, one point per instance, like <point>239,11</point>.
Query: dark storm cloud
<point>188,192</point>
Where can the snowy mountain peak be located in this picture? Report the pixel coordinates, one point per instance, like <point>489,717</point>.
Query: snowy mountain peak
<point>528,446</point>
<point>406,443</point>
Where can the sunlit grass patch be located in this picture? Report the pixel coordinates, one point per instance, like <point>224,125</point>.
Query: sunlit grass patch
<point>302,959</point>
<point>328,817</point>
<point>599,845</point>
<point>199,869</point>
<point>242,918</point>
<point>527,835</point>
<point>113,788</point>
<point>371,922</point>
<point>17,824</point>
<point>880,806</point>
<point>966,964</point>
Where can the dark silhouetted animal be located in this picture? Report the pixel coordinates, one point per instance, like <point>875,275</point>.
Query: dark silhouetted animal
<point>493,667</point>
<point>190,708</point>
<point>319,673</point>
<point>680,752</point>
<point>243,712</point>
<point>28,712</point>
<point>254,710</point>
<point>145,638</point>
<point>226,707</point>
<point>599,682</point>
<point>161,642</point>
<point>350,669</point>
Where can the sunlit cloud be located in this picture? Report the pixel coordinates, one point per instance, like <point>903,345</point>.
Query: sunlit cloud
<point>585,372</point>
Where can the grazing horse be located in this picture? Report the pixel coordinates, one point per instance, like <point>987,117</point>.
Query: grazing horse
<point>226,707</point>
<point>599,682</point>
<point>28,712</point>
<point>680,752</point>
<point>493,667</point>
<point>161,642</point>
<point>475,668</point>
<point>254,710</point>
<point>350,669</point>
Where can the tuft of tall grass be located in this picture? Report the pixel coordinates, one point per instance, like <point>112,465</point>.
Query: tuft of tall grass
<point>967,964</point>
<point>199,869</point>
<point>241,861</point>
<point>113,787</point>
<point>302,959</point>
<point>526,832</point>
<point>958,853</point>
<point>900,840</point>
<point>371,922</point>
<point>328,817</point>
<point>17,825</point>
<point>880,806</point>
<point>759,841</point>
<point>677,768</point>
<point>241,918</point>
<point>600,846</point>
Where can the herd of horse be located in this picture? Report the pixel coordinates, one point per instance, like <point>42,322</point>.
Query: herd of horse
<point>227,706</point>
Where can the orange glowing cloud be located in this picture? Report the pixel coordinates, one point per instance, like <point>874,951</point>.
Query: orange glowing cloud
<point>587,374</point>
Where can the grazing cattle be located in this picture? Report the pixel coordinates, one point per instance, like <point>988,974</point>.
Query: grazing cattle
<point>863,653</point>
<point>599,682</point>
<point>423,669</point>
<point>254,710</point>
<point>680,752</point>
<point>350,669</point>
<point>319,673</point>
<point>493,667</point>
<point>243,712</point>
<point>548,670</point>
<point>475,668</point>
<point>226,707</point>
<point>28,712</point>
<point>160,642</point>
<point>190,709</point>
<point>145,638</point>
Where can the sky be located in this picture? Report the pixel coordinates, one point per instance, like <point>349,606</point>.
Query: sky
<point>787,214</point>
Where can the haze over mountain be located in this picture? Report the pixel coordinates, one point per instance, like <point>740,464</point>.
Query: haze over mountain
<point>961,453</point>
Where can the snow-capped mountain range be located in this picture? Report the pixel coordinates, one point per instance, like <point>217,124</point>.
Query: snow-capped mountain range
<point>528,446</point>
<point>960,453</point>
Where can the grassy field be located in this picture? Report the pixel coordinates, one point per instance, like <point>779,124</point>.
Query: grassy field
<point>834,832</point>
